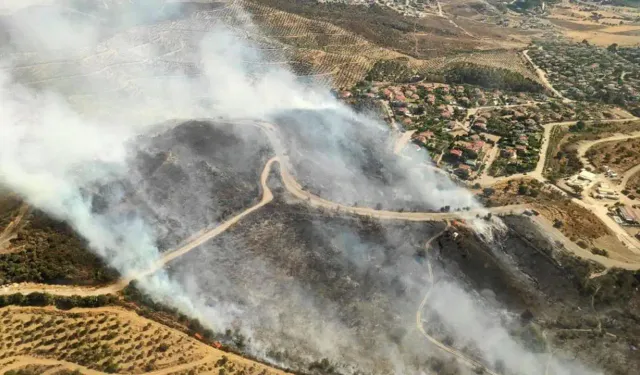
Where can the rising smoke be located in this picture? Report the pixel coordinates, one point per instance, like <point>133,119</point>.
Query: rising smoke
<point>82,85</point>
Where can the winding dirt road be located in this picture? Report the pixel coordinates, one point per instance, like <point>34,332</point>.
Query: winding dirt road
<point>471,363</point>
<point>62,290</point>
<point>10,231</point>
<point>294,188</point>
<point>543,77</point>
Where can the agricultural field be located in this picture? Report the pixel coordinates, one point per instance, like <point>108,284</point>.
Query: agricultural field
<point>107,339</point>
<point>104,339</point>
<point>321,42</point>
<point>599,25</point>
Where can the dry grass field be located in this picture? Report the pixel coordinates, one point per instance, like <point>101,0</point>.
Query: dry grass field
<point>613,25</point>
<point>578,222</point>
<point>562,158</point>
<point>620,156</point>
<point>579,225</point>
<point>107,340</point>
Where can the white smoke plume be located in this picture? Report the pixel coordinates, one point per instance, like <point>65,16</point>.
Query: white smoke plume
<point>74,102</point>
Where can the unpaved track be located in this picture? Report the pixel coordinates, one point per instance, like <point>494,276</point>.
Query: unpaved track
<point>537,173</point>
<point>10,231</point>
<point>402,140</point>
<point>583,147</point>
<point>547,227</point>
<point>470,362</point>
<point>294,188</point>
<point>61,290</point>
<point>627,175</point>
<point>543,77</point>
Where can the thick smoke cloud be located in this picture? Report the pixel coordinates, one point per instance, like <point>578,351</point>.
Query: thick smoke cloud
<point>76,102</point>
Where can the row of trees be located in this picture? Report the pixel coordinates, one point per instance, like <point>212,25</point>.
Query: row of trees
<point>61,302</point>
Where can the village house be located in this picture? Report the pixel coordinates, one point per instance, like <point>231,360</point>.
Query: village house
<point>424,137</point>
<point>509,153</point>
<point>455,152</point>
<point>463,171</point>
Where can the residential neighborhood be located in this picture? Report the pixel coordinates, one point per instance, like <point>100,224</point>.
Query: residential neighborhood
<point>469,130</point>
<point>581,71</point>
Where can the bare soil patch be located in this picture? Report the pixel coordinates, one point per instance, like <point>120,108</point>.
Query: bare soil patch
<point>603,39</point>
<point>575,26</point>
<point>575,222</point>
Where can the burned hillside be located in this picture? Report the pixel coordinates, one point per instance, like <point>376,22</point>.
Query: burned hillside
<point>290,277</point>
<point>188,178</point>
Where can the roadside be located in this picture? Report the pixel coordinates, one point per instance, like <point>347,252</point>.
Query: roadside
<point>10,230</point>
<point>543,77</point>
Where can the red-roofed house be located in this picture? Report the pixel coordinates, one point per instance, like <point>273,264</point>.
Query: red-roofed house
<point>476,146</point>
<point>480,125</point>
<point>456,152</point>
<point>424,137</point>
<point>431,99</point>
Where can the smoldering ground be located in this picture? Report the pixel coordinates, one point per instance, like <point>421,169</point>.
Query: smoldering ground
<point>88,136</point>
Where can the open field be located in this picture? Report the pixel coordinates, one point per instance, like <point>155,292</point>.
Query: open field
<point>611,25</point>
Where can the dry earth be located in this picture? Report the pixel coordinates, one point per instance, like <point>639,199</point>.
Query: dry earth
<point>620,156</point>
